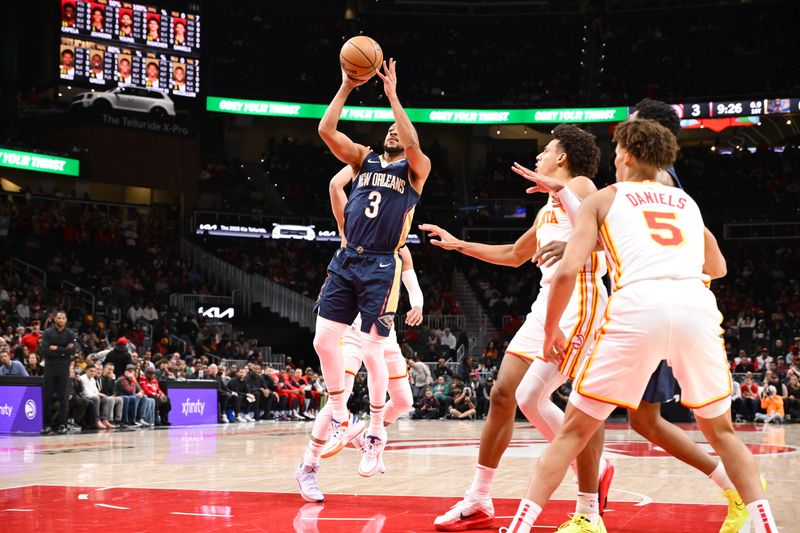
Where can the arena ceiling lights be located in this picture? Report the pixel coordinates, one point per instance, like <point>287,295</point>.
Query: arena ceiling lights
<point>419,115</point>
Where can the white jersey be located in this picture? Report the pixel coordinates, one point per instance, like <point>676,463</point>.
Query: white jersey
<point>352,335</point>
<point>653,232</point>
<point>552,224</point>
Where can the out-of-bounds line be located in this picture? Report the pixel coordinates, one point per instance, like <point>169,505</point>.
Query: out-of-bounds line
<point>336,519</point>
<point>203,514</point>
<point>109,506</point>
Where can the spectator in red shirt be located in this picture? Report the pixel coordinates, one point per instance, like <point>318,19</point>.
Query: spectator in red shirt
<point>31,340</point>
<point>750,396</point>
<point>151,389</point>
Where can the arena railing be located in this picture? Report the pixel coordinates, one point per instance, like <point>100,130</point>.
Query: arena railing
<point>288,304</point>
<point>86,297</point>
<point>30,270</point>
<point>452,322</point>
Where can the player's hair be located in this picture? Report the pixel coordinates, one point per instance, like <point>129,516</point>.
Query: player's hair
<point>151,63</point>
<point>97,9</point>
<point>179,67</point>
<point>67,51</point>
<point>583,155</point>
<point>661,112</point>
<point>648,141</point>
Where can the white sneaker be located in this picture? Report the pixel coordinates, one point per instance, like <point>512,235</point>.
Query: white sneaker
<point>224,419</point>
<point>360,442</point>
<point>241,418</point>
<point>144,423</point>
<point>341,434</point>
<point>372,457</point>
<point>306,476</point>
<point>466,514</point>
<point>250,418</point>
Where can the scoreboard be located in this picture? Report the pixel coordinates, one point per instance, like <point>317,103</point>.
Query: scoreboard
<point>737,108</point>
<point>107,43</point>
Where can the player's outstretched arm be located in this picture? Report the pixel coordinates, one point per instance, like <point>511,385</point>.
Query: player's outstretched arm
<point>570,192</point>
<point>338,197</point>
<point>340,144</point>
<point>419,162</point>
<point>411,283</point>
<point>715,265</point>
<point>512,255</point>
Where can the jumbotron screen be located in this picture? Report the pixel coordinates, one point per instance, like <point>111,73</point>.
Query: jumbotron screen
<point>107,43</point>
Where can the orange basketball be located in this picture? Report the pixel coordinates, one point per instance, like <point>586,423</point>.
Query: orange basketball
<point>361,57</point>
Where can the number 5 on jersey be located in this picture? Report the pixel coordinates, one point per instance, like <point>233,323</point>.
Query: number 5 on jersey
<point>662,231</point>
<point>371,211</point>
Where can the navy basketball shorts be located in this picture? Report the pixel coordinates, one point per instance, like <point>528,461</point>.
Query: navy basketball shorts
<point>366,283</point>
<point>662,385</point>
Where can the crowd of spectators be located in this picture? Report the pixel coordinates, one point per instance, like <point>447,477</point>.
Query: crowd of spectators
<point>445,71</point>
<point>694,52</point>
<point>599,55</point>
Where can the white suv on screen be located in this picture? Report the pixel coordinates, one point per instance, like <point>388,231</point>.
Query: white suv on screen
<point>128,99</point>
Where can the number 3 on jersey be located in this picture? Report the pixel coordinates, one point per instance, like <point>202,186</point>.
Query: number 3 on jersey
<point>663,229</point>
<point>371,211</point>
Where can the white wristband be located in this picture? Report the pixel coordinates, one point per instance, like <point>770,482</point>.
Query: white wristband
<point>570,202</point>
<point>411,284</point>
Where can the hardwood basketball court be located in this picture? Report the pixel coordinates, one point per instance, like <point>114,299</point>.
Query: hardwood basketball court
<point>239,477</point>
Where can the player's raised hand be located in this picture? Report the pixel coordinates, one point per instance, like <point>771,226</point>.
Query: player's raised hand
<point>543,183</point>
<point>351,83</point>
<point>549,254</point>
<point>554,345</point>
<point>389,77</point>
<point>414,317</point>
<point>445,239</point>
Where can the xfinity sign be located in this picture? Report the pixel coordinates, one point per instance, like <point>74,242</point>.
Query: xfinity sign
<point>215,312</point>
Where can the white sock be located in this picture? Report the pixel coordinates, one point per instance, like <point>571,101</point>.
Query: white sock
<point>482,482</point>
<point>376,422</point>
<point>720,477</point>
<point>339,407</point>
<point>761,516</point>
<point>313,451</point>
<point>527,513</point>
<point>588,504</point>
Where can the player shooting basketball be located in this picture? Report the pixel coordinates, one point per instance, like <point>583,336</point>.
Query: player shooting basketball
<point>364,277</point>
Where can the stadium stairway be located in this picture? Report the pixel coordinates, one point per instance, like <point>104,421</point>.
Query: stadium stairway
<point>281,335</point>
<point>479,328</point>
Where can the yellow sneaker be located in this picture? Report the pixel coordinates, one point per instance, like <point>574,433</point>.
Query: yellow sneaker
<point>580,524</point>
<point>737,517</point>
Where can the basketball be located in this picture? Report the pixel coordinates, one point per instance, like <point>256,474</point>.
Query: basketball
<point>361,57</point>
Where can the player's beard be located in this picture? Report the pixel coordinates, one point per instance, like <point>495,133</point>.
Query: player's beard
<point>392,150</point>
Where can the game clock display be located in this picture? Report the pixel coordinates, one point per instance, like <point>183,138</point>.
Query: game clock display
<point>107,43</point>
<point>738,108</point>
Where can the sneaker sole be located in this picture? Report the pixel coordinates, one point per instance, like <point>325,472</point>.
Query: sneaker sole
<point>604,486</point>
<point>306,498</point>
<point>464,525</point>
<point>370,473</point>
<point>343,444</point>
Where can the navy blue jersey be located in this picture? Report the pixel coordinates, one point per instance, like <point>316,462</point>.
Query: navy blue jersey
<point>671,172</point>
<point>381,205</point>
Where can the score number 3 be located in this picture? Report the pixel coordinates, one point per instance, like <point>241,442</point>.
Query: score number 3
<point>662,228</point>
<point>371,211</point>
